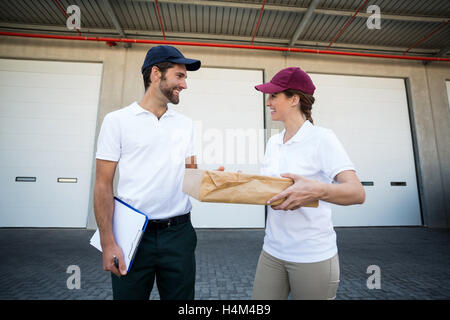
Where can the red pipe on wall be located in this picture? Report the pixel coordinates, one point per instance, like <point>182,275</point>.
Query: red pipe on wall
<point>222,45</point>
<point>259,19</point>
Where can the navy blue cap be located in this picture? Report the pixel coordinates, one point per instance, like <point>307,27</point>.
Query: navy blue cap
<point>168,53</point>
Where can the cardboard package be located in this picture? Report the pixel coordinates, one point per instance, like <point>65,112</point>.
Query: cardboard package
<point>234,187</point>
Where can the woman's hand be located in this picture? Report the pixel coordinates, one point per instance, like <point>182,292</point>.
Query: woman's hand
<point>301,193</point>
<point>347,191</point>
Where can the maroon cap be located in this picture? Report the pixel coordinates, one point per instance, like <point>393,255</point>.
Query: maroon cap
<point>289,78</point>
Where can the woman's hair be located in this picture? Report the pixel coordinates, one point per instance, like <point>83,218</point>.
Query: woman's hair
<point>306,102</point>
<point>162,66</point>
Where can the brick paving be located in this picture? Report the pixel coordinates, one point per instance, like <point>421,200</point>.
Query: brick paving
<point>413,263</point>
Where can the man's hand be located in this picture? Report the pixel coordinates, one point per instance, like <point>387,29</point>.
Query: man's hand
<point>191,162</point>
<point>302,192</point>
<point>109,252</point>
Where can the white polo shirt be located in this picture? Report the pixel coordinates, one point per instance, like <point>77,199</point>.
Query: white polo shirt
<point>151,157</point>
<point>304,235</point>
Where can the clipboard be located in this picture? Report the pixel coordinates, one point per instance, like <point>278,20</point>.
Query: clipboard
<point>128,227</point>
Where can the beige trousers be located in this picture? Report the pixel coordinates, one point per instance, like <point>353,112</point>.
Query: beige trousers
<point>276,278</point>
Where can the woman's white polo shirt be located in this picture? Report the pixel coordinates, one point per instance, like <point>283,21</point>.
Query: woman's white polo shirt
<point>151,157</point>
<point>304,235</point>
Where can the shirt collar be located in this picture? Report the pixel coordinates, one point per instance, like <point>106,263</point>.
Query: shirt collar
<point>304,129</point>
<point>136,109</point>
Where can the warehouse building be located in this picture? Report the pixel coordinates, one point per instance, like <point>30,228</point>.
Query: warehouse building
<point>381,68</point>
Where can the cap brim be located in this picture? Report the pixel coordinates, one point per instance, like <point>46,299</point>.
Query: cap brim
<point>269,88</point>
<point>191,64</point>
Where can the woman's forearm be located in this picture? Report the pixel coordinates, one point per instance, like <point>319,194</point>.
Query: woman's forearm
<point>346,193</point>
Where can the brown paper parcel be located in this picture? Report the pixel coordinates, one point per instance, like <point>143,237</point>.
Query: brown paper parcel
<point>234,187</point>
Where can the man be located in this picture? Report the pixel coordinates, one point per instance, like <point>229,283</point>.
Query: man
<point>151,144</point>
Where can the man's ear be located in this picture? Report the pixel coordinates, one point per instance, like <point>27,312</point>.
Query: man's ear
<point>155,74</point>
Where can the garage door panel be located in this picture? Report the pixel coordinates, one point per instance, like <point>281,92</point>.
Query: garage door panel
<point>45,110</point>
<point>217,112</point>
<point>394,210</point>
<point>43,217</point>
<point>47,128</point>
<point>226,74</point>
<point>46,159</point>
<point>44,142</point>
<point>236,87</point>
<point>51,95</point>
<point>52,67</point>
<point>30,195</point>
<point>39,126</point>
<point>46,80</point>
<point>46,178</point>
<point>370,117</point>
<point>237,215</point>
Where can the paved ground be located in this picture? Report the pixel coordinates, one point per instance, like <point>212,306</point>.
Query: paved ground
<point>414,263</point>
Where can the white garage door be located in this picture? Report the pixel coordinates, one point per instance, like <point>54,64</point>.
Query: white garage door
<point>48,114</point>
<point>370,117</point>
<point>228,115</point>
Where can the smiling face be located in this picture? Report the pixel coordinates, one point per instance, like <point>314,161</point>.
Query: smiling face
<point>173,82</point>
<point>282,107</point>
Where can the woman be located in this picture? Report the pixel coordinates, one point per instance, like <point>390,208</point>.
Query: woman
<point>299,255</point>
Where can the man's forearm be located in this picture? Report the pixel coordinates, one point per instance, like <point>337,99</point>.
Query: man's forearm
<point>104,211</point>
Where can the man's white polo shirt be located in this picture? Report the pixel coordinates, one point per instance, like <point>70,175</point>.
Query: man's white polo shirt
<point>304,235</point>
<point>151,157</point>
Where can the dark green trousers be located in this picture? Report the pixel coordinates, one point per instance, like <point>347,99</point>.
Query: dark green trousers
<point>167,254</point>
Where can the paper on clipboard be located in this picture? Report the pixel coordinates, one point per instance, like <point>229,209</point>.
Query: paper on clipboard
<point>128,227</point>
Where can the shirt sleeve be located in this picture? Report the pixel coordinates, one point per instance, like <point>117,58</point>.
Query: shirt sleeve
<point>108,143</point>
<point>332,155</point>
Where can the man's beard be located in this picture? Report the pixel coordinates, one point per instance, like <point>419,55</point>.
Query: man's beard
<point>168,92</point>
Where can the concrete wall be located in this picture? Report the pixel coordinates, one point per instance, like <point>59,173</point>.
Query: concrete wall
<point>429,110</point>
